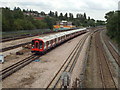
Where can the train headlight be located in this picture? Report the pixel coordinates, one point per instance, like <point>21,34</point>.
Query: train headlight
<point>33,46</point>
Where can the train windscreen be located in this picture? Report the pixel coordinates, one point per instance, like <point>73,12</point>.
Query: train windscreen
<point>33,41</point>
<point>37,44</point>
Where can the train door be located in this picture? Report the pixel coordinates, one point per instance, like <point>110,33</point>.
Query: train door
<point>36,44</point>
<point>47,43</point>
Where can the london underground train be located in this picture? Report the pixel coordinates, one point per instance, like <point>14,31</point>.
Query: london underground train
<point>43,44</point>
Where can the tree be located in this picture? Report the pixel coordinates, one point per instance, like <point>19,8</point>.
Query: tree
<point>51,14</point>
<point>112,23</point>
<point>61,16</point>
<point>56,14</point>
<point>7,19</point>
<point>91,22</point>
<point>24,10</point>
<point>66,16</point>
<point>71,16</point>
<point>16,20</point>
<point>100,22</point>
<point>18,13</point>
<point>42,13</point>
<point>50,22</point>
<point>88,18</point>
<point>85,15</point>
<point>109,14</point>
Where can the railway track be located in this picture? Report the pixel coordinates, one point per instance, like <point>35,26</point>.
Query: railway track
<point>113,52</point>
<point>15,67</point>
<point>13,47</point>
<point>15,38</point>
<point>107,78</point>
<point>68,65</point>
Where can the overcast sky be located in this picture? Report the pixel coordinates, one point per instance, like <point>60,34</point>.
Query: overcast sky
<point>94,8</point>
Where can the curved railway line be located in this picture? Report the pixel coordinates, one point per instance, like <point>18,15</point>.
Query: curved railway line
<point>113,52</point>
<point>68,64</point>
<point>15,67</point>
<point>107,78</point>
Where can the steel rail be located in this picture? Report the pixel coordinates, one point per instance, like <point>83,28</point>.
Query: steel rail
<point>101,54</point>
<point>72,54</point>
<point>15,67</point>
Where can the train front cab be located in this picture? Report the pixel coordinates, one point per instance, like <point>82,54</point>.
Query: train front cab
<point>37,46</point>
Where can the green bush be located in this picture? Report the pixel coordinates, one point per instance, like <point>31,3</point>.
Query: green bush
<point>113,25</point>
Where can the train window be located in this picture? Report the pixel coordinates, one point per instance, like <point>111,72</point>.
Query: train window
<point>44,44</point>
<point>47,43</point>
<point>41,43</point>
<point>33,42</point>
<point>59,38</point>
<point>55,39</point>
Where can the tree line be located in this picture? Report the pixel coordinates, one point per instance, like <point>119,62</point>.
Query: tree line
<point>16,19</point>
<point>79,20</point>
<point>113,25</point>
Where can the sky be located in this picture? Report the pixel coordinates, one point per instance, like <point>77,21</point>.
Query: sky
<point>96,9</point>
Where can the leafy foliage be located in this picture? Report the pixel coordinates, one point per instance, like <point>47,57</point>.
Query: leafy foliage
<point>113,25</point>
<point>16,20</point>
